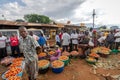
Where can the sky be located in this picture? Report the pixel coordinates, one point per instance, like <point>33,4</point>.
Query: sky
<point>76,11</point>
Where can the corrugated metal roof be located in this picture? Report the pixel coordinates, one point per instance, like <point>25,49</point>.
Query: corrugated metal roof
<point>58,25</point>
<point>4,22</point>
<point>14,23</point>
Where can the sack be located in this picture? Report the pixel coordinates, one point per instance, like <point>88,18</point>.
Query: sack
<point>8,49</point>
<point>91,43</point>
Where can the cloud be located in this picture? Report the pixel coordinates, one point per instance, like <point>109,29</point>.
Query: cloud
<point>76,11</point>
<point>63,9</point>
<point>55,9</point>
<point>11,10</point>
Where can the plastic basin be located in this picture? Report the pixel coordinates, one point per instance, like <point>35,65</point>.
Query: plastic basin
<point>43,71</point>
<point>57,70</point>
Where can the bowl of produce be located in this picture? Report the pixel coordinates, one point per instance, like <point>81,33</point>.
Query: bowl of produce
<point>42,55</point>
<point>65,59</point>
<point>74,54</point>
<point>57,66</point>
<point>15,71</point>
<point>14,78</point>
<point>91,60</point>
<point>43,66</point>
<point>65,53</point>
<point>16,64</point>
<point>52,52</point>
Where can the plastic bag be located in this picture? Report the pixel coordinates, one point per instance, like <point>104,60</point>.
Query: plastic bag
<point>90,43</point>
<point>8,48</point>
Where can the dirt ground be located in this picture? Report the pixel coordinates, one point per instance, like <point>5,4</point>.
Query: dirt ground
<point>79,69</point>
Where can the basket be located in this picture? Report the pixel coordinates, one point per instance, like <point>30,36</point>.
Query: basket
<point>45,65</point>
<point>40,57</point>
<point>74,54</point>
<point>19,74</point>
<point>90,62</point>
<point>65,61</point>
<point>3,76</point>
<point>45,68</point>
<point>43,71</point>
<point>114,51</point>
<point>14,78</point>
<point>57,69</point>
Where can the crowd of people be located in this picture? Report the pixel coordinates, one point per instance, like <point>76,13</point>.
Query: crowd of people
<point>9,45</point>
<point>26,45</point>
<point>89,38</point>
<point>69,41</point>
<point>29,44</point>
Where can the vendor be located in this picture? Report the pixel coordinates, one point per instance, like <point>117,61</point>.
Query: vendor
<point>117,39</point>
<point>84,44</point>
<point>2,46</point>
<point>29,46</point>
<point>56,55</point>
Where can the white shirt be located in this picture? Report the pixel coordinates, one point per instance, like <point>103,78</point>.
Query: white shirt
<point>101,39</point>
<point>35,37</point>
<point>57,38</point>
<point>117,39</point>
<point>3,42</point>
<point>90,34</point>
<point>75,38</point>
<point>66,39</point>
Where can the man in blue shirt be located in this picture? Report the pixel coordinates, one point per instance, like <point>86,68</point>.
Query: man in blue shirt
<point>42,41</point>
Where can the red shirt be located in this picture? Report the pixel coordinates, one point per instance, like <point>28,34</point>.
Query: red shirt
<point>60,35</point>
<point>14,41</point>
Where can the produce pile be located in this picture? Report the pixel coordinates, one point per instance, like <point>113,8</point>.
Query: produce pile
<point>96,53</point>
<point>108,63</point>
<point>74,53</point>
<point>65,53</point>
<point>42,54</point>
<point>12,72</point>
<point>101,50</point>
<point>51,52</point>
<point>14,78</point>
<point>48,55</point>
<point>91,60</point>
<point>43,64</point>
<point>111,63</point>
<point>78,69</point>
<point>15,70</point>
<point>52,59</point>
<point>57,64</point>
<point>63,58</point>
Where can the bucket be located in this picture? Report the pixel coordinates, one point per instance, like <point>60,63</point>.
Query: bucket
<point>58,70</point>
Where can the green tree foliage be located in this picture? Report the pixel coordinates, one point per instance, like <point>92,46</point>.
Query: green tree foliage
<point>103,27</point>
<point>19,20</point>
<point>35,18</point>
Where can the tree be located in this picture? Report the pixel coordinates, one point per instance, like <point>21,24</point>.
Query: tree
<point>103,27</point>
<point>35,18</point>
<point>19,20</point>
